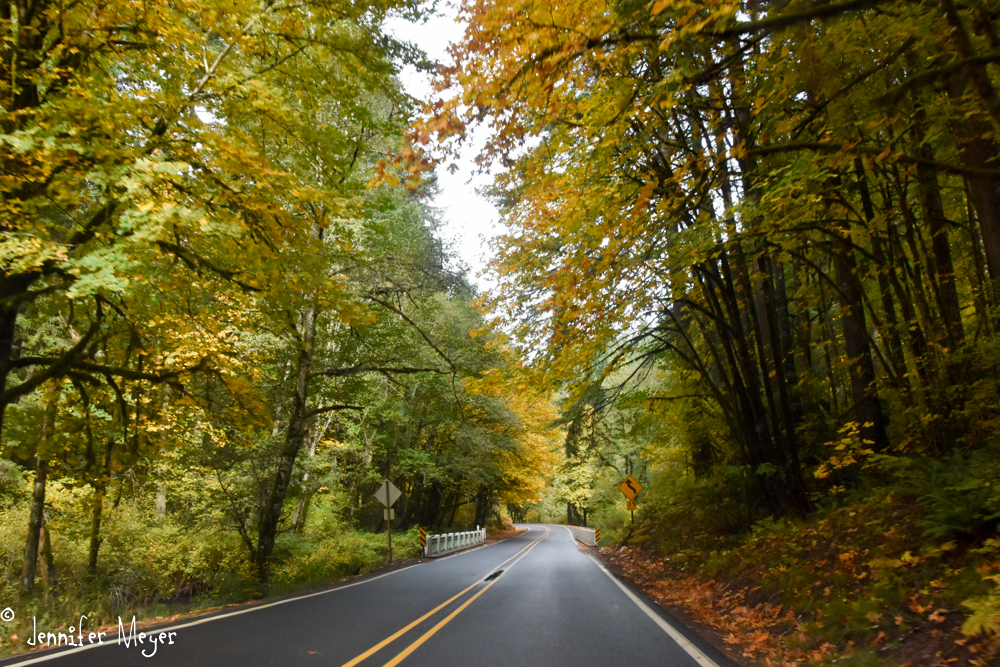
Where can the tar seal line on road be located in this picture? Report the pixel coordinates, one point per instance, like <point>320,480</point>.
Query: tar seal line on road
<point>427,635</point>
<point>399,633</point>
<point>681,641</point>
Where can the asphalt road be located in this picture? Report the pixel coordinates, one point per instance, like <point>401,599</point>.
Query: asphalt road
<point>551,605</point>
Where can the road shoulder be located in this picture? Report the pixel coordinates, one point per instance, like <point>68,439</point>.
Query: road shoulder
<point>683,620</point>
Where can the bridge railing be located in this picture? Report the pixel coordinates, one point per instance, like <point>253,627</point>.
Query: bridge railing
<point>438,545</point>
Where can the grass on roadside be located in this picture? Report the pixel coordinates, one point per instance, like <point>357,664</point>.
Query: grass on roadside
<point>152,568</point>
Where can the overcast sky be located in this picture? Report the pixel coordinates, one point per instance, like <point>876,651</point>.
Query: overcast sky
<point>469,219</point>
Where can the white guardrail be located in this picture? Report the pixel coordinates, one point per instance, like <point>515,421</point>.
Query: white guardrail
<point>438,545</point>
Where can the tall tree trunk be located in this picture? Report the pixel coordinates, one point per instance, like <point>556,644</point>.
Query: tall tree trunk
<point>882,269</point>
<point>975,68</point>
<point>430,508</point>
<point>402,508</point>
<point>299,516</point>
<point>161,490</point>
<point>34,527</point>
<point>100,486</point>
<point>454,508</point>
<point>47,565</point>
<point>784,321</point>
<point>976,149</point>
<point>943,270</point>
<point>980,153</point>
<point>768,314</point>
<point>780,449</point>
<point>981,284</point>
<point>95,529</point>
<point>270,513</point>
<point>914,273</point>
<point>415,502</point>
<point>732,392</point>
<point>826,326</point>
<point>911,324</point>
<point>480,508</point>
<point>803,330</point>
<point>37,514</point>
<point>756,429</point>
<point>864,391</point>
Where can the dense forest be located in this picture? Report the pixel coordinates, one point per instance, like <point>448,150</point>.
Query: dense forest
<point>226,314</point>
<point>758,243</point>
<point>752,259</point>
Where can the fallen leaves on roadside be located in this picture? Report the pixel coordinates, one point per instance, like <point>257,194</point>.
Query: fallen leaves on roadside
<point>758,631</point>
<point>773,634</point>
<point>938,615</point>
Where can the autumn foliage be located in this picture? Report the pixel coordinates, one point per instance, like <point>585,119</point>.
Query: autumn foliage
<point>226,314</point>
<point>760,242</point>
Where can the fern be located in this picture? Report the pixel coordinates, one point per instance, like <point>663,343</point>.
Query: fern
<point>985,617</point>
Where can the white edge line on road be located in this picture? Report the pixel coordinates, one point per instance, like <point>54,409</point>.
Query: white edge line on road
<point>573,537</point>
<point>691,649</point>
<point>53,656</point>
<point>207,619</point>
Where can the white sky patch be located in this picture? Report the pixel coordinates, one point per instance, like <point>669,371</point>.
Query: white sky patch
<point>470,221</point>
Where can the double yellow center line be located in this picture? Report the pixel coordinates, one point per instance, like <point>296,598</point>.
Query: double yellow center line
<point>427,635</point>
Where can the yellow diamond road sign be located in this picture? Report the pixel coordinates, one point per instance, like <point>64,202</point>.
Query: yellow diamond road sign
<point>630,488</point>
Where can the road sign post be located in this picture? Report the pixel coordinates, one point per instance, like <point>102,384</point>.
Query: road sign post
<point>388,522</point>
<point>388,494</point>
<point>630,488</point>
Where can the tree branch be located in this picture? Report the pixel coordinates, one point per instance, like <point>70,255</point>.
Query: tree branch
<point>784,20</point>
<point>384,370</point>
<point>331,408</point>
<point>419,330</point>
<point>833,147</point>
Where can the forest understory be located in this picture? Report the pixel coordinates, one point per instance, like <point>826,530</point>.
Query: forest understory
<point>894,577</point>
